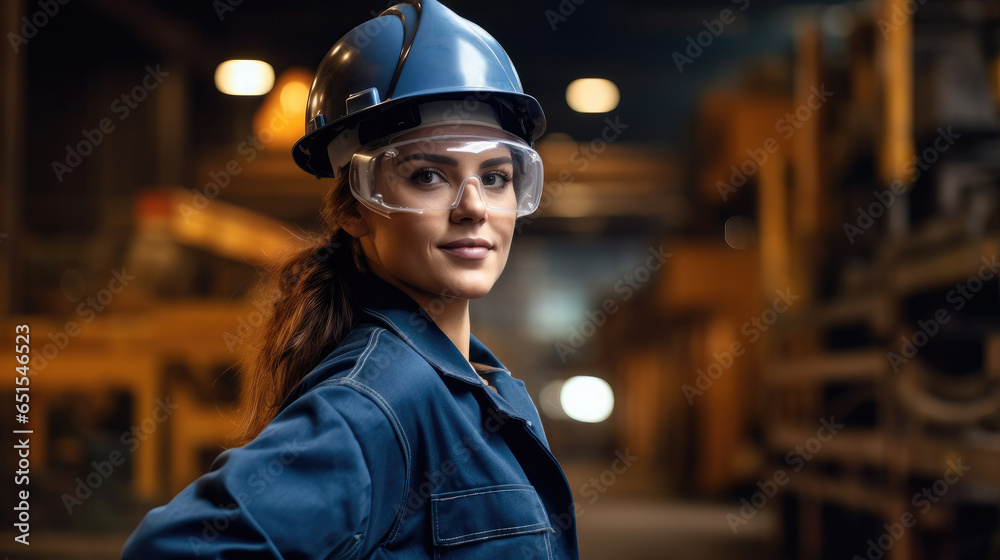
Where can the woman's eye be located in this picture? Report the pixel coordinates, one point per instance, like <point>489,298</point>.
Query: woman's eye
<point>495,179</point>
<point>426,177</point>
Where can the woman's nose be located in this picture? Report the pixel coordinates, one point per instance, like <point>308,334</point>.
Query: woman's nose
<point>471,202</point>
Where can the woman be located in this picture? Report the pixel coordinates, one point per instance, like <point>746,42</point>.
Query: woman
<point>379,426</point>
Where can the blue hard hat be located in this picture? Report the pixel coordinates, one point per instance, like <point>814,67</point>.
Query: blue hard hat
<point>371,82</point>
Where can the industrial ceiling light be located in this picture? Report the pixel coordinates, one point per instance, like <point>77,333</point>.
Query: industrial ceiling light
<point>244,77</point>
<point>587,399</point>
<point>592,95</point>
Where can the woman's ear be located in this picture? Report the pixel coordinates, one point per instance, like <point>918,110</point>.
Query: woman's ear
<point>356,224</point>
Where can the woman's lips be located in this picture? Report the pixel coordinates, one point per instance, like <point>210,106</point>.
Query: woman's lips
<point>468,252</point>
<point>468,248</point>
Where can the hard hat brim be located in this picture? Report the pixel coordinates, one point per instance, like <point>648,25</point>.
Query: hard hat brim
<point>519,114</point>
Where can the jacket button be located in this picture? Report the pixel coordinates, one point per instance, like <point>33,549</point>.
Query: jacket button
<point>529,423</point>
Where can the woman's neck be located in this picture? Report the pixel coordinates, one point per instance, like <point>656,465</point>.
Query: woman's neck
<point>451,315</point>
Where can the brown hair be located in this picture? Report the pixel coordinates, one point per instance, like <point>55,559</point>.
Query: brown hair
<point>310,308</point>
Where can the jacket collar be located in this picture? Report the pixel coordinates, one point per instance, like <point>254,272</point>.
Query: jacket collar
<point>382,304</point>
<point>385,305</point>
<point>396,311</point>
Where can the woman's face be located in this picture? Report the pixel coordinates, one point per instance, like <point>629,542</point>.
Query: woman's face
<point>442,254</point>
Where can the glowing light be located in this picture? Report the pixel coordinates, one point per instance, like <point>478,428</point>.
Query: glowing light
<point>244,77</point>
<point>293,96</point>
<point>592,95</point>
<point>587,399</point>
<point>282,114</point>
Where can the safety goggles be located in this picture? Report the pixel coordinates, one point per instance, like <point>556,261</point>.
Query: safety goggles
<point>434,173</point>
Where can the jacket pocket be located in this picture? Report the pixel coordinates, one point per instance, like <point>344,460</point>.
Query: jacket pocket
<point>503,521</point>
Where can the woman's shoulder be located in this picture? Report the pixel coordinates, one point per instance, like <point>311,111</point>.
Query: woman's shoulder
<point>372,378</point>
<point>366,353</point>
<point>371,360</point>
<point>330,394</point>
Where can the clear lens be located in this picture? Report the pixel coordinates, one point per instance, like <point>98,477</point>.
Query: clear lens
<point>434,173</point>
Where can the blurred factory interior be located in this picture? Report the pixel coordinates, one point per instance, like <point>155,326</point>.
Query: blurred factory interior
<point>759,308</point>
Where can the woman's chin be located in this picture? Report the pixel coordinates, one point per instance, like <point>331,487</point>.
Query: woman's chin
<point>468,288</point>
<point>467,291</point>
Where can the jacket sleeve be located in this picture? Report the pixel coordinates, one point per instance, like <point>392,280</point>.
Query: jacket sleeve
<point>322,480</point>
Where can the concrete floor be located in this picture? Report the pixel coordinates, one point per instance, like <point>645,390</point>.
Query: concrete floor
<point>620,529</point>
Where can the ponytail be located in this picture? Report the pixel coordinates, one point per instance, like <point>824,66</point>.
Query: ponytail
<point>309,298</point>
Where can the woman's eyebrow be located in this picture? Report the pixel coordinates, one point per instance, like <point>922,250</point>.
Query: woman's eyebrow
<point>495,161</point>
<point>436,158</point>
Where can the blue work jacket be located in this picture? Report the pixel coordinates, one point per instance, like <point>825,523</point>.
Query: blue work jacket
<point>391,447</point>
